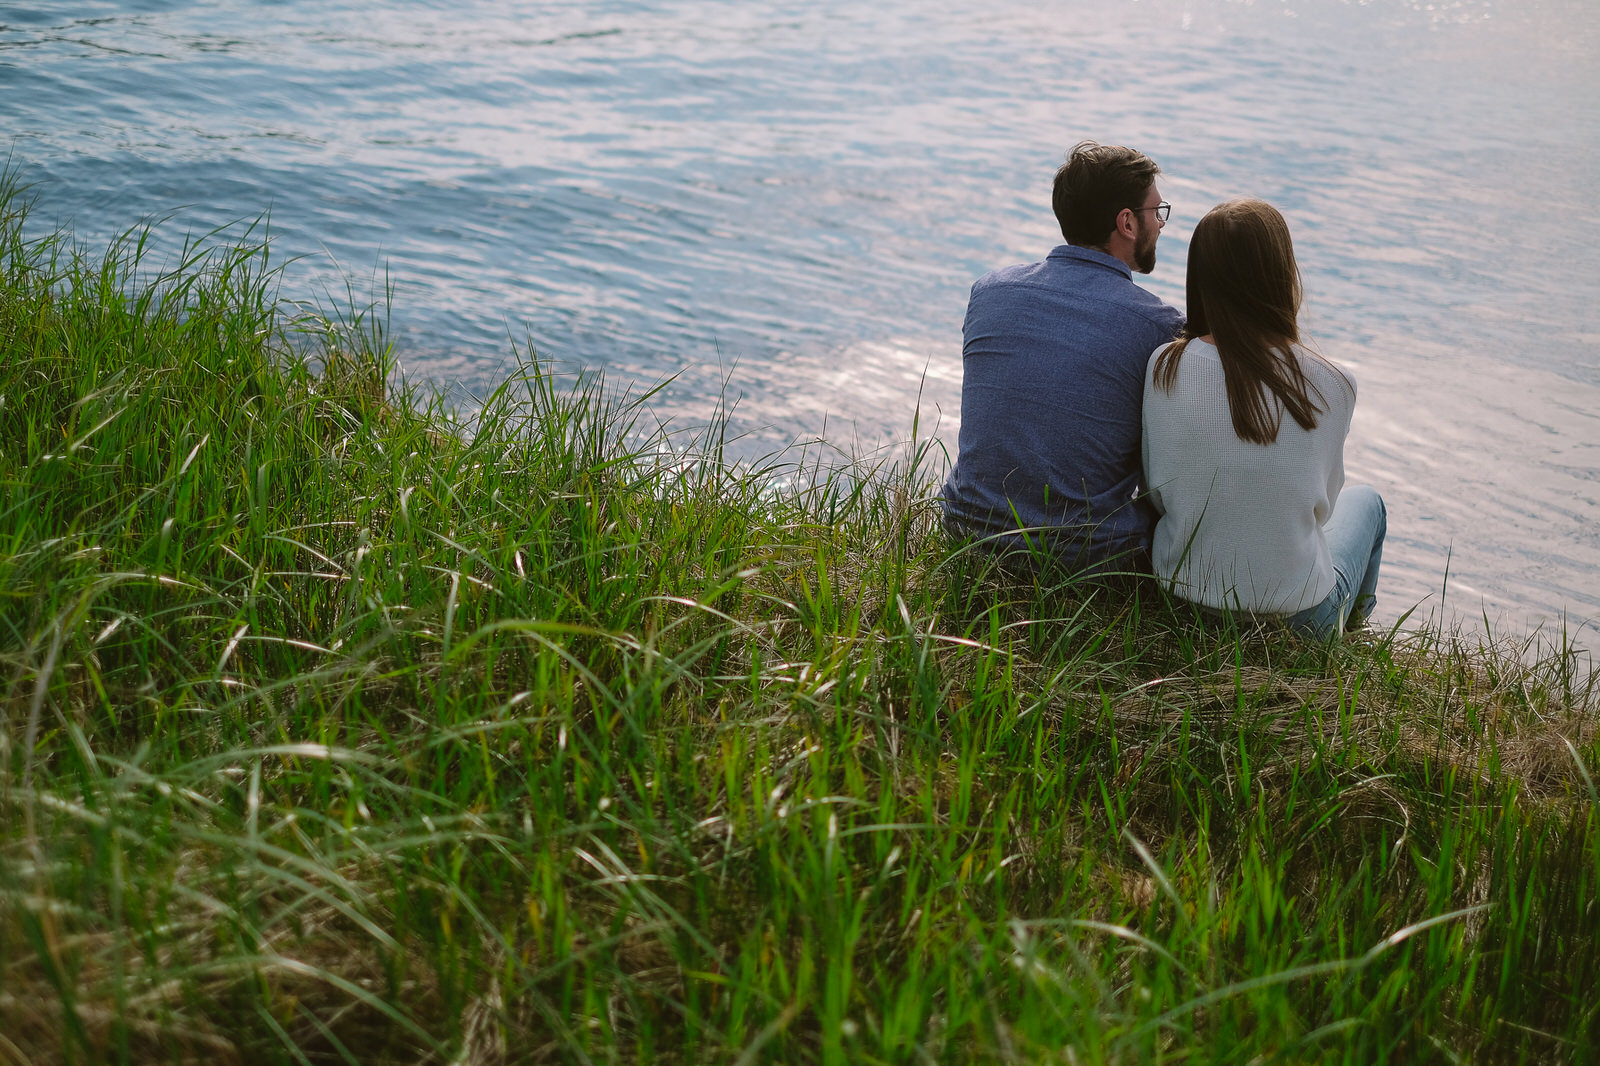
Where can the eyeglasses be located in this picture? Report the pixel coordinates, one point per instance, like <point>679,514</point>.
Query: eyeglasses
<point>1163,210</point>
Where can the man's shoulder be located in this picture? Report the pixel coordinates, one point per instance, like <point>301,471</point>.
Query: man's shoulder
<point>1009,276</point>
<point>1064,264</point>
<point>1148,305</point>
<point>1083,274</point>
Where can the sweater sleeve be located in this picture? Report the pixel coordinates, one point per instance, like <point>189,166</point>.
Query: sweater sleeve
<point>1336,466</point>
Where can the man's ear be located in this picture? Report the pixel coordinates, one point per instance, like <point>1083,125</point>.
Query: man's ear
<point>1127,225</point>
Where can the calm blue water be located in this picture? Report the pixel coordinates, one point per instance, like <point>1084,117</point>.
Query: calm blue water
<point>793,198</point>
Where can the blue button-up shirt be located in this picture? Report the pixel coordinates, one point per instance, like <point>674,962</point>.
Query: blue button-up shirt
<point>1053,361</point>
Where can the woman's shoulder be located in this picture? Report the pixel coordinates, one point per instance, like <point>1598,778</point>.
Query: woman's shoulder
<point>1325,373</point>
<point>1190,351</point>
<point>1197,366</point>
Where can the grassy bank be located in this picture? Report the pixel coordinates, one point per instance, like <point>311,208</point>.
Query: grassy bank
<point>335,731</point>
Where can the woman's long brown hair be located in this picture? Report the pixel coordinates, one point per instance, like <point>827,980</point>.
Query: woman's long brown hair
<point>1244,291</point>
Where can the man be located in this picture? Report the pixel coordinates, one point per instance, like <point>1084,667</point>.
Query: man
<point>1053,362</point>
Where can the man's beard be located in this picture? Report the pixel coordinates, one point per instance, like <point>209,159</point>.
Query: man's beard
<point>1144,255</point>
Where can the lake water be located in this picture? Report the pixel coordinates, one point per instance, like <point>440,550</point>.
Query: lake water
<point>787,201</point>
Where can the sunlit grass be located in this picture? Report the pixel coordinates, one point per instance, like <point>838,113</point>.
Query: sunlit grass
<point>338,729</point>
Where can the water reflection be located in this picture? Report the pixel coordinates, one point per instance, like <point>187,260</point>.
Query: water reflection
<point>1499,479</point>
<point>790,200</point>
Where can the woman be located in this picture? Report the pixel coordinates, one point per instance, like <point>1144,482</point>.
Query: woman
<point>1244,435</point>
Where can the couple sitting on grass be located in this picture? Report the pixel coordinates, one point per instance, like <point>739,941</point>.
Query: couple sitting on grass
<point>1101,431</point>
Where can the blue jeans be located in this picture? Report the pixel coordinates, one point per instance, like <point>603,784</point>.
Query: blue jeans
<point>1355,540</point>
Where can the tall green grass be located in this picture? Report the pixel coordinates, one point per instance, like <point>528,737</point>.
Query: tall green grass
<point>338,728</point>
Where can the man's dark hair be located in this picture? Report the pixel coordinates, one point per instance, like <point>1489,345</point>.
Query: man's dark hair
<point>1093,186</point>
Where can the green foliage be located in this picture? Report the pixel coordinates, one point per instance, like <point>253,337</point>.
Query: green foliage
<point>339,728</point>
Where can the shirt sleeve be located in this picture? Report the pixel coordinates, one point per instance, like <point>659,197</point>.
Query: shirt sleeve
<point>1148,492</point>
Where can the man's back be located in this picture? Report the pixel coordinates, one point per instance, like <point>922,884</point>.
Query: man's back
<point>1053,362</point>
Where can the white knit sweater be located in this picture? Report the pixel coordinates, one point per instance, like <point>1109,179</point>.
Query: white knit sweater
<point>1241,523</point>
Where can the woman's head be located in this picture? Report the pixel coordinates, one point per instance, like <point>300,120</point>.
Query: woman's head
<point>1244,294</point>
<point>1243,280</point>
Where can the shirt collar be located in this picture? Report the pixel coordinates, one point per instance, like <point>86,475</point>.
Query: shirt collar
<point>1092,255</point>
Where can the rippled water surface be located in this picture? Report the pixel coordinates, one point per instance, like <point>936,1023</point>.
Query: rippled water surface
<point>789,201</point>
